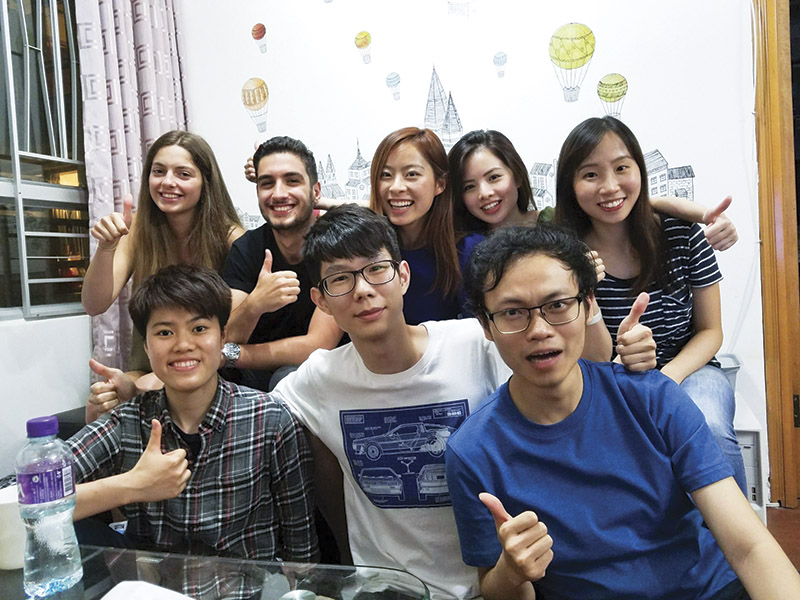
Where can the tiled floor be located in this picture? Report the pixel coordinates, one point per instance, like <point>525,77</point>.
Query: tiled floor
<point>784,525</point>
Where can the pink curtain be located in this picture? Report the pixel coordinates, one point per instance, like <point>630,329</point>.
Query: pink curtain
<point>132,89</point>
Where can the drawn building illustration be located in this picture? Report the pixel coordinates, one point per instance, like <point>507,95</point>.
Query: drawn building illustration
<point>357,186</point>
<point>327,179</point>
<point>249,221</point>
<point>441,115</point>
<point>664,181</point>
<point>543,183</point>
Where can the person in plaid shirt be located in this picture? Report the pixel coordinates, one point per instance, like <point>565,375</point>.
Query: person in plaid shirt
<point>203,466</point>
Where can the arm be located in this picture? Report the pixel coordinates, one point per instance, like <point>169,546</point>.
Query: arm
<point>753,553</point>
<point>329,494</point>
<point>707,338</point>
<point>597,346</point>
<point>323,332</point>
<point>291,479</point>
<point>118,387</point>
<point>329,203</point>
<point>155,477</point>
<point>720,231</point>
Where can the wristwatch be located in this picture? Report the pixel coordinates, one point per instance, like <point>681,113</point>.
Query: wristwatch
<point>231,351</point>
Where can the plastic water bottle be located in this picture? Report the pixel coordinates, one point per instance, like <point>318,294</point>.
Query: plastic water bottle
<point>46,487</point>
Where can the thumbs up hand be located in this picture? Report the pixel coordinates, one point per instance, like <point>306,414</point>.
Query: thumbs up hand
<point>158,476</point>
<point>110,229</point>
<point>636,348</point>
<point>249,167</point>
<point>720,231</point>
<point>274,290</point>
<point>105,395</point>
<point>527,549</point>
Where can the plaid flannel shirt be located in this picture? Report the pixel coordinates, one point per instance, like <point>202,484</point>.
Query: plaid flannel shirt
<point>250,491</point>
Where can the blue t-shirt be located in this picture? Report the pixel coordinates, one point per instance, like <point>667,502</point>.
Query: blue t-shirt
<point>424,303</point>
<point>610,482</point>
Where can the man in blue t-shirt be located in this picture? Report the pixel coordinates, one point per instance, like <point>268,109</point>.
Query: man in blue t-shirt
<point>589,480</point>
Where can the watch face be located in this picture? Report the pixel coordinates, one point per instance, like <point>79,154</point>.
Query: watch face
<point>231,352</point>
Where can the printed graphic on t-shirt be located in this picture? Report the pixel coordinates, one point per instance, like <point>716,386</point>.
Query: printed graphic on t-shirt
<point>397,454</point>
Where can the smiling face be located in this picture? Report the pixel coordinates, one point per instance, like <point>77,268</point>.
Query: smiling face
<point>175,182</point>
<point>490,190</point>
<point>286,197</point>
<point>544,357</point>
<point>369,311</point>
<point>608,183</point>
<point>184,350</point>
<point>407,187</point>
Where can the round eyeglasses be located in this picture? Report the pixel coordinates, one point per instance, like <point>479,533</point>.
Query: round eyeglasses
<point>344,282</point>
<point>555,312</point>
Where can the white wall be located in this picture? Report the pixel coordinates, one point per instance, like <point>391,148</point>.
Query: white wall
<point>44,371</point>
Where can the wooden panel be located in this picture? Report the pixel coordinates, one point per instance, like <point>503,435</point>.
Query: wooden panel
<point>778,222</point>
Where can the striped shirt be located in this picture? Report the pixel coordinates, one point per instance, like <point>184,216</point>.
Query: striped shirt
<point>250,491</point>
<point>691,264</point>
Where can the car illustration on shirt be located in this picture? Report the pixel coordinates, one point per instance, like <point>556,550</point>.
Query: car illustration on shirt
<point>432,481</point>
<point>381,481</point>
<point>409,437</point>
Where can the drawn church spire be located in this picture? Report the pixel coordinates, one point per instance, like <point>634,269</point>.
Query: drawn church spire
<point>436,107</point>
<point>451,127</point>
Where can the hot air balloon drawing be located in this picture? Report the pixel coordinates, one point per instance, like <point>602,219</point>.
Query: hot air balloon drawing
<point>392,82</point>
<point>255,96</point>
<point>612,89</point>
<point>259,33</point>
<point>500,62</point>
<point>363,40</point>
<point>571,50</point>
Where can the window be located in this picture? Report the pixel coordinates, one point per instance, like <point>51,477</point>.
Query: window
<point>662,177</point>
<point>44,239</point>
<point>653,180</point>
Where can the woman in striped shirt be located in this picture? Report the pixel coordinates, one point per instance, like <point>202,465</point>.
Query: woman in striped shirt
<point>601,190</point>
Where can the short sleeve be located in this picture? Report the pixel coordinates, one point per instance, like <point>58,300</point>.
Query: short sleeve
<point>704,270</point>
<point>300,394</point>
<point>476,530</point>
<point>238,270</point>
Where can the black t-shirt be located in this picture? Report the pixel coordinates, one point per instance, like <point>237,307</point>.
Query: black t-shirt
<point>244,262</point>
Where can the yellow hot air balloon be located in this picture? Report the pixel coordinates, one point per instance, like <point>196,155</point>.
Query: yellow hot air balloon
<point>363,40</point>
<point>255,96</point>
<point>571,50</point>
<point>612,89</point>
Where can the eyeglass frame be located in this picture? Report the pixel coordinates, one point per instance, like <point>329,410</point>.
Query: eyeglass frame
<point>530,310</point>
<point>324,289</point>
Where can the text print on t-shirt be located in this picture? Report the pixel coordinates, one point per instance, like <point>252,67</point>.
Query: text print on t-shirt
<point>397,454</point>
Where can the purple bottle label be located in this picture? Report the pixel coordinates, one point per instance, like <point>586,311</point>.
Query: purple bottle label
<point>36,488</point>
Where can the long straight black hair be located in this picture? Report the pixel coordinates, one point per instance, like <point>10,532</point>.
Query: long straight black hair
<point>644,228</point>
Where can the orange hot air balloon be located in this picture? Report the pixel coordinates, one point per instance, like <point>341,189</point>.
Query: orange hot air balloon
<point>255,96</point>
<point>363,40</point>
<point>259,33</point>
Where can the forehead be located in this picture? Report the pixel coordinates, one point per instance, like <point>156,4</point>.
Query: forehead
<point>280,163</point>
<point>405,154</point>
<point>337,265</point>
<point>173,155</point>
<point>482,159</point>
<point>175,315</point>
<point>533,278</point>
<point>610,147</point>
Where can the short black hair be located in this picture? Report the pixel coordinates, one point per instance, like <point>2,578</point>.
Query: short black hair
<point>505,246</point>
<point>348,231</point>
<point>283,143</point>
<point>196,289</point>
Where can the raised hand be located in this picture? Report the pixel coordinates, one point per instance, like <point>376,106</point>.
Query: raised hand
<point>720,231</point>
<point>249,167</point>
<point>527,549</point>
<point>158,476</point>
<point>274,290</point>
<point>108,230</point>
<point>636,347</point>
<point>599,265</point>
<point>117,387</point>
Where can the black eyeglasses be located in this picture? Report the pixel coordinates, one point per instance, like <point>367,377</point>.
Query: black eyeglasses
<point>555,312</point>
<point>344,282</point>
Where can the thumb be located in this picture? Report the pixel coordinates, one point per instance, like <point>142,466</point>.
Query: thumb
<point>267,261</point>
<point>127,209</point>
<point>495,507</point>
<point>99,368</point>
<point>154,444</point>
<point>256,145</point>
<point>637,310</point>
<point>712,214</point>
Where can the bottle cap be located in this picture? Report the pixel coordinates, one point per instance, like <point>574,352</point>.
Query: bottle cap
<point>42,426</point>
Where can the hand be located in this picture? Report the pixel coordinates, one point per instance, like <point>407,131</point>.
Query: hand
<point>249,167</point>
<point>108,230</point>
<point>274,290</point>
<point>527,549</point>
<point>636,347</point>
<point>116,388</point>
<point>720,231</point>
<point>158,476</point>
<point>599,265</point>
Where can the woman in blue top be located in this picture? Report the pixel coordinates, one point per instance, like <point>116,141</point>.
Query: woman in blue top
<point>409,186</point>
<point>601,190</point>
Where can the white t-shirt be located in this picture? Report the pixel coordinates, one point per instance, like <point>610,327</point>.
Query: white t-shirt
<point>389,434</point>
